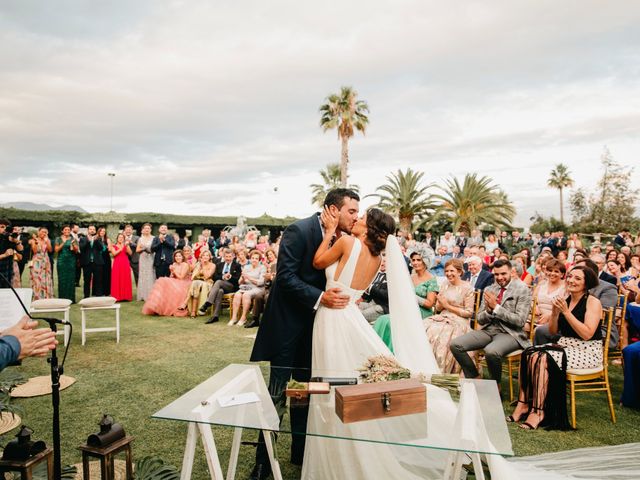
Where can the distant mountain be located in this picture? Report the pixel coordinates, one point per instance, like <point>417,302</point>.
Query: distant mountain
<point>40,207</point>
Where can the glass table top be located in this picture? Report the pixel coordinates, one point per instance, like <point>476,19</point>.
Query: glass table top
<point>477,427</point>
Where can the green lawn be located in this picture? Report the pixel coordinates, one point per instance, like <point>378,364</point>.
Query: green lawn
<point>160,358</point>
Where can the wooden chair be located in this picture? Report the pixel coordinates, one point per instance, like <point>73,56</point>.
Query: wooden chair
<point>512,360</point>
<point>593,379</point>
<point>620,322</point>
<point>477,300</point>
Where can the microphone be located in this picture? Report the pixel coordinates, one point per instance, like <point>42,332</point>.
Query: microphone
<point>50,320</point>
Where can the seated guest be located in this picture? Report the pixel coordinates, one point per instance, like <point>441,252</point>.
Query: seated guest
<point>251,285</point>
<point>241,256</point>
<point>263,243</point>
<point>259,301</point>
<point>439,260</point>
<point>550,288</point>
<point>625,264</point>
<point>611,255</point>
<point>542,398</point>
<point>605,292</point>
<point>540,274</point>
<point>251,240</point>
<point>375,299</point>
<point>201,283</point>
<point>426,289</point>
<point>579,254</point>
<point>564,258</point>
<point>615,270</point>
<point>168,293</point>
<point>223,241</point>
<point>456,252</point>
<point>519,264</point>
<point>226,280</point>
<point>454,308</point>
<point>478,278</point>
<point>199,246</point>
<point>630,288</point>
<point>189,257</point>
<point>603,275</point>
<point>631,393</point>
<point>504,311</point>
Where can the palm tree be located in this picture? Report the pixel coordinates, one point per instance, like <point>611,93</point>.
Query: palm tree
<point>474,202</point>
<point>343,112</point>
<point>404,197</point>
<point>560,178</point>
<point>331,179</point>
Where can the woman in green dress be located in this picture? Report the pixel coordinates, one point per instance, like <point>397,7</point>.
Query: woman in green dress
<point>426,290</point>
<point>67,248</point>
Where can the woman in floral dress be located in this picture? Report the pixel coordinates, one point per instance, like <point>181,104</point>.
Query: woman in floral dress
<point>41,271</point>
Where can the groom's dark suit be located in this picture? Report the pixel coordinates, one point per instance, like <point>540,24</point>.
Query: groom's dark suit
<point>285,334</point>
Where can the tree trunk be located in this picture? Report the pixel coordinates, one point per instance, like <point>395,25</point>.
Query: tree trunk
<point>405,223</point>
<point>561,208</point>
<point>344,163</point>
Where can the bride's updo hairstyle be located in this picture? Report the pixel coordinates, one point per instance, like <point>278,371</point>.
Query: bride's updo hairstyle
<point>379,226</point>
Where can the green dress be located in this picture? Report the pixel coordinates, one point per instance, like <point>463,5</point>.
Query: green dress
<point>383,323</point>
<point>66,266</point>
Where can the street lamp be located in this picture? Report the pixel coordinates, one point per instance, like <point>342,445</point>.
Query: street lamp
<point>112,175</point>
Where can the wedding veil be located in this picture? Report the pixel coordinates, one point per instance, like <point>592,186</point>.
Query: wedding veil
<point>410,342</point>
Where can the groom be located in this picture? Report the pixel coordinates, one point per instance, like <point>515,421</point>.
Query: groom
<point>285,334</point>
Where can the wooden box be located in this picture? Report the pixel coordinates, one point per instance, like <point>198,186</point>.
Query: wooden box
<point>369,401</point>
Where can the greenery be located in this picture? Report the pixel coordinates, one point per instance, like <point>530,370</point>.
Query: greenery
<point>154,468</point>
<point>560,178</point>
<point>158,359</point>
<point>542,224</point>
<point>472,203</point>
<point>612,205</point>
<point>330,180</point>
<point>347,115</point>
<point>405,197</point>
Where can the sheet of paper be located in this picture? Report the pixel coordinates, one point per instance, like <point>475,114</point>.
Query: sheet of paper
<point>238,399</point>
<point>10,307</point>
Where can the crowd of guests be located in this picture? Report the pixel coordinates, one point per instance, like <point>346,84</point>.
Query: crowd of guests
<point>173,276</point>
<point>569,285</point>
<point>473,292</point>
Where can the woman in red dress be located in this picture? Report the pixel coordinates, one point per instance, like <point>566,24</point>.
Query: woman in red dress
<point>121,270</point>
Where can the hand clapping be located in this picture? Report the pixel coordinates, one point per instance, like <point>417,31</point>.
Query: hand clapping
<point>490,300</point>
<point>560,305</point>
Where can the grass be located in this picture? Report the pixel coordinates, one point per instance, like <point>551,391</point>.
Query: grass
<point>160,358</point>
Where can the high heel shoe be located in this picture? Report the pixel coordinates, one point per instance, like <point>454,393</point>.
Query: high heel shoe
<point>512,419</point>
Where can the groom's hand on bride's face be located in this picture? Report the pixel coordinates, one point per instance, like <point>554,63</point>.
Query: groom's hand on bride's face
<point>333,298</point>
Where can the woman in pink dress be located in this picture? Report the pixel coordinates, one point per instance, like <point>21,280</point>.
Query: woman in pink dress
<point>168,293</point>
<point>189,257</point>
<point>121,270</point>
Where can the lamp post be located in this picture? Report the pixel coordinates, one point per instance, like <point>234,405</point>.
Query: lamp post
<point>112,175</point>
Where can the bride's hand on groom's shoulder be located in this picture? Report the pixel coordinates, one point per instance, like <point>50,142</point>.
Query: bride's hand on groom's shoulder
<point>333,298</point>
<point>329,221</point>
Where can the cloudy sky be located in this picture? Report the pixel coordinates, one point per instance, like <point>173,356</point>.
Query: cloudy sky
<point>205,107</point>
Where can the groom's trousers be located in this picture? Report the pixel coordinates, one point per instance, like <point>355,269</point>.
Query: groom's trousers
<point>281,371</point>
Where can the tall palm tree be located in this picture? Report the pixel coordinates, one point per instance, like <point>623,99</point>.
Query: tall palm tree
<point>475,201</point>
<point>331,179</point>
<point>347,114</point>
<point>404,197</point>
<point>560,178</point>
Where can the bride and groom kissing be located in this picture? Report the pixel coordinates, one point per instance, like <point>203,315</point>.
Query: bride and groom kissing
<point>286,337</point>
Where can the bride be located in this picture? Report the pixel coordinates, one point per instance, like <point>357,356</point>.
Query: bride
<point>342,342</point>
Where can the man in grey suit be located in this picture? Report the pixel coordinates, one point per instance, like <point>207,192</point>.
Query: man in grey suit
<point>134,259</point>
<point>505,309</point>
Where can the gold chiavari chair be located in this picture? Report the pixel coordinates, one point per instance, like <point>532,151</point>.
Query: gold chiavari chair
<point>593,379</point>
<point>620,322</point>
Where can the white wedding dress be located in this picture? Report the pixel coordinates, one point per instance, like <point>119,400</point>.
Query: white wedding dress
<point>342,342</point>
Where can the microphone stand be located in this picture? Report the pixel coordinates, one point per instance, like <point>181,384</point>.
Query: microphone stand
<point>56,372</point>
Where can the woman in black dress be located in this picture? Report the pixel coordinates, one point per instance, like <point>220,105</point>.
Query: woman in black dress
<point>542,398</point>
